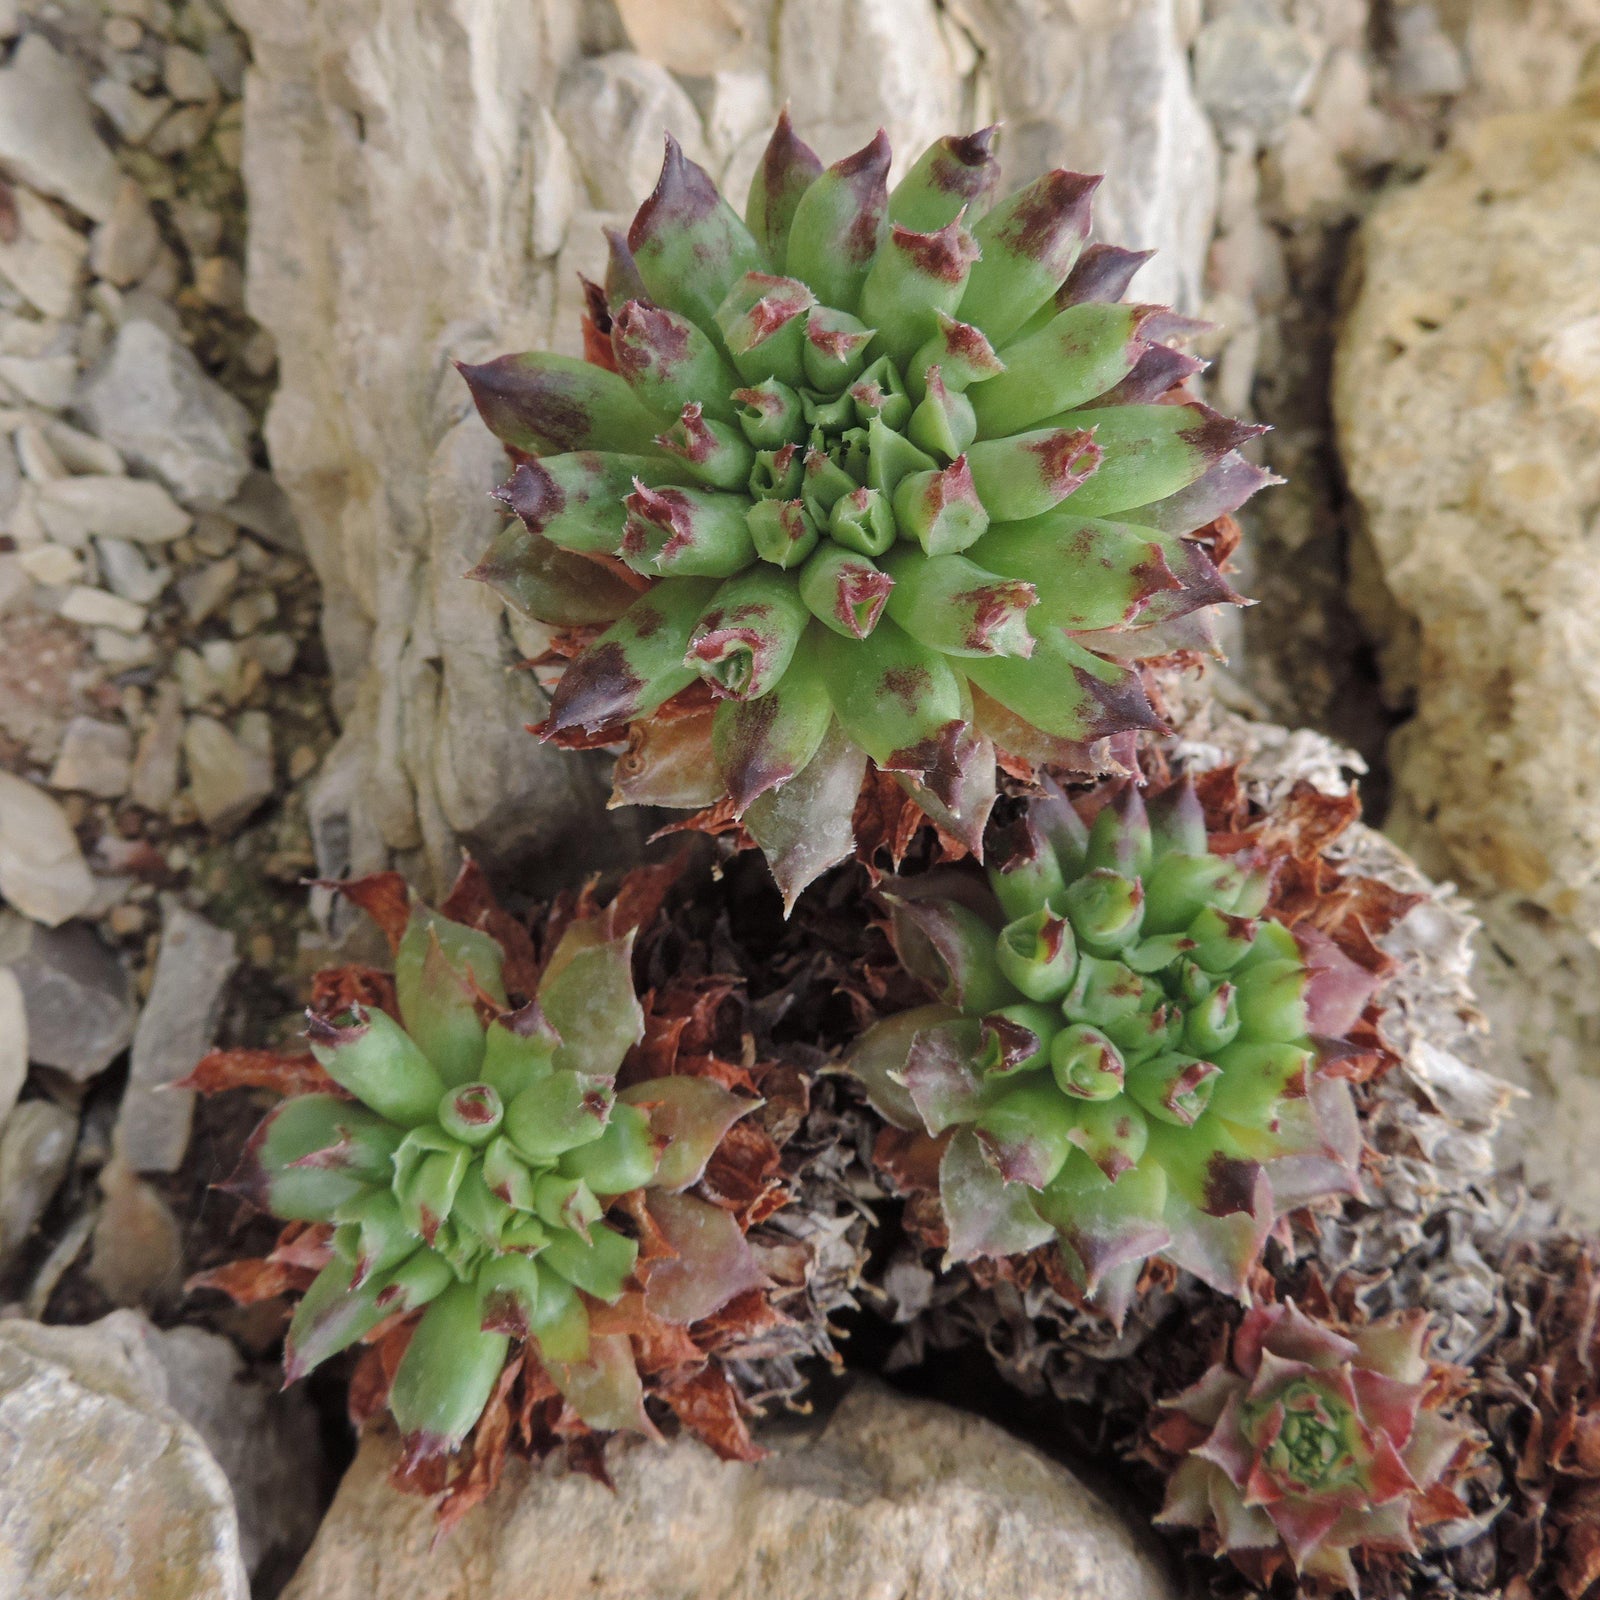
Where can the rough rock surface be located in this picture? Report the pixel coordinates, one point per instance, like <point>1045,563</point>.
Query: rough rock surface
<point>893,1498</point>
<point>512,128</point>
<point>108,1492</point>
<point>1468,401</point>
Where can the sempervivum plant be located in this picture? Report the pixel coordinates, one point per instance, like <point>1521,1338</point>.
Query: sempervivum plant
<point>1129,1055</point>
<point>484,1204</point>
<point>1313,1443</point>
<point>867,475</point>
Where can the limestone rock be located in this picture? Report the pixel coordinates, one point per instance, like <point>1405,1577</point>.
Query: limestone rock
<point>175,1029</point>
<point>152,401</point>
<point>95,758</point>
<point>46,137</point>
<point>109,1493</point>
<point>1468,402</point>
<point>13,1041</point>
<point>35,1151</point>
<point>227,777</point>
<point>893,1497</point>
<point>73,509</point>
<point>42,870</point>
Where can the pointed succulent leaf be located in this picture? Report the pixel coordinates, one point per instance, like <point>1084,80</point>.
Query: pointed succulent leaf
<point>788,167</point>
<point>543,581</point>
<point>954,606</point>
<point>763,322</point>
<point>1101,275</point>
<point>712,1261</point>
<point>622,1158</point>
<point>686,533</point>
<point>600,1267</point>
<point>714,453</point>
<point>839,223</point>
<point>986,1215</point>
<point>312,1155</point>
<point>575,500</point>
<point>961,352</point>
<point>558,1113</point>
<point>1029,241</point>
<point>1220,490</point>
<point>375,1059</point>
<point>845,590</point>
<point>519,1047</point>
<point>635,664</point>
<point>879,1057</point>
<point>668,362</point>
<point>911,277</point>
<point>1028,1132</point>
<point>1038,954</point>
<point>954,175</point>
<point>743,642</point>
<point>543,404</point>
<point>448,1371</point>
<point>940,1074</point>
<point>941,509</point>
<point>688,1118</point>
<point>1028,473</point>
<point>760,744</point>
<point>440,969</point>
<point>688,243</point>
<point>943,423</point>
<point>604,1388</point>
<point>835,348</point>
<point>952,949</point>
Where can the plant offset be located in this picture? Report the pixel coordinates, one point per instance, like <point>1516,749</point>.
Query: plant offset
<point>1125,1057</point>
<point>869,475</point>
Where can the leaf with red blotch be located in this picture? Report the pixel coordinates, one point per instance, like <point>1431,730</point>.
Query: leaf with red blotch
<point>706,1405</point>
<point>384,896</point>
<point>259,1069</point>
<point>485,1454</point>
<point>248,1282</point>
<point>337,989</point>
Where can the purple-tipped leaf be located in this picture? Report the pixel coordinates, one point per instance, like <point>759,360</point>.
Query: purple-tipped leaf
<point>544,404</point>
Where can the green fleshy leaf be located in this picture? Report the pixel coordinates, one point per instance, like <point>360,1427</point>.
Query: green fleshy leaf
<point>761,744</point>
<point>590,1001</point>
<point>954,175</point>
<point>314,1154</point>
<point>439,969</point>
<point>575,500</point>
<point>788,167</point>
<point>689,1117</point>
<point>669,363</point>
<point>763,324</point>
<point>1027,474</point>
<point>687,533</point>
<point>839,224</point>
<point>835,348</point>
<point>954,606</point>
<point>844,590</point>
<point>380,1064</point>
<point>688,243</point>
<point>448,1371</point>
<point>1106,1225</point>
<point>714,453</point>
<point>519,1048</point>
<point>1028,1132</point>
<point>601,1267</point>
<point>944,423</point>
<point>558,1114</point>
<point>545,404</point>
<point>745,639</point>
<point>951,948</point>
<point>912,276</point>
<point>1038,954</point>
<point>604,1389</point>
<point>622,1158</point>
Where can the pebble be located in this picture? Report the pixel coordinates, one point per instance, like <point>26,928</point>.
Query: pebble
<point>206,588</point>
<point>1252,69</point>
<point>154,782</point>
<point>136,1257</point>
<point>80,1006</point>
<point>78,451</point>
<point>45,381</point>
<point>36,456</point>
<point>96,758</point>
<point>13,1041</point>
<point>180,132</point>
<point>52,564</point>
<point>151,400</point>
<point>252,611</point>
<point>42,870</point>
<point>263,509</point>
<point>123,34</point>
<point>124,568</point>
<point>16,587</point>
<point>132,114</point>
<point>1426,60</point>
<point>44,262</point>
<point>219,281</point>
<point>228,777</point>
<point>214,535</point>
<point>97,609</point>
<point>187,75</point>
<point>46,136</point>
<point>275,652</point>
<point>73,509</point>
<point>122,651</point>
<point>126,244</point>
<point>192,967</point>
<point>35,1155</point>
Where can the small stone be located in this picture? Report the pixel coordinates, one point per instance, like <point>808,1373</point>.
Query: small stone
<point>13,1041</point>
<point>128,921</point>
<point>44,381</point>
<point>219,281</point>
<point>1252,69</point>
<point>187,76</point>
<point>155,767</point>
<point>95,608</point>
<point>227,59</point>
<point>263,508</point>
<point>1425,60</point>
<point>72,509</point>
<point>175,1029</point>
<point>123,34</point>
<point>42,870</point>
<point>302,763</point>
<point>36,455</point>
<point>124,568</point>
<point>126,244</point>
<point>275,652</point>
<point>205,589</point>
<point>95,758</point>
<point>52,564</point>
<point>152,401</point>
<point>214,535</point>
<point>122,651</point>
<point>46,136</point>
<point>227,777</point>
<point>44,260</point>
<point>35,1155</point>
<point>180,132</point>
<point>80,1007</point>
<point>137,1253</point>
<point>199,226</point>
<point>252,611</point>
<point>16,587</point>
<point>78,451</point>
<point>132,114</point>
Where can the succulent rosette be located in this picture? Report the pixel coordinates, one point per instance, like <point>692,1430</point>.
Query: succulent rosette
<point>483,1204</point>
<point>866,476</point>
<point>1313,1443</point>
<point>1129,1055</point>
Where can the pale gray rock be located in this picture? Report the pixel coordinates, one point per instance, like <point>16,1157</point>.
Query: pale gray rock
<point>74,509</point>
<point>1252,67</point>
<point>13,1041</point>
<point>44,262</point>
<point>80,1006</point>
<point>154,783</point>
<point>228,777</point>
<point>95,758</point>
<point>891,1497</point>
<point>175,1029</point>
<point>151,400</point>
<point>109,1492</point>
<point>46,137</point>
<point>126,572</point>
<point>36,1144</point>
<point>126,244</point>
<point>42,870</point>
